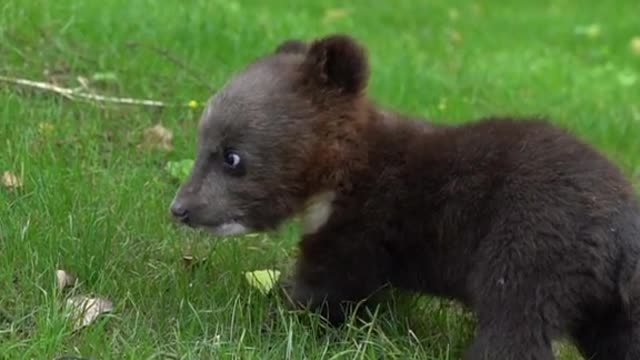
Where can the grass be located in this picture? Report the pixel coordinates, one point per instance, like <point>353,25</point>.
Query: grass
<point>95,204</point>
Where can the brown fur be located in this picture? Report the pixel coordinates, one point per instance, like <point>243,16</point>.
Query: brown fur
<point>533,229</point>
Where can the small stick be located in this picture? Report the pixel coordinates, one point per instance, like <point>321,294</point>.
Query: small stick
<point>117,100</point>
<point>73,94</point>
<point>39,85</point>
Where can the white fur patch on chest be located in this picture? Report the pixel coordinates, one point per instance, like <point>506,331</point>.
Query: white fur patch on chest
<point>317,212</point>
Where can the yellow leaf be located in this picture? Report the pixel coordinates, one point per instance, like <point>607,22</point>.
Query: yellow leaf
<point>157,137</point>
<point>635,45</point>
<point>333,14</point>
<point>11,180</point>
<point>263,280</point>
<point>45,128</point>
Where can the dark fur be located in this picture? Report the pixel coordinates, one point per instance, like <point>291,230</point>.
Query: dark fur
<point>534,230</point>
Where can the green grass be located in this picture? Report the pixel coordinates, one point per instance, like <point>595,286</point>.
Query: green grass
<point>94,204</point>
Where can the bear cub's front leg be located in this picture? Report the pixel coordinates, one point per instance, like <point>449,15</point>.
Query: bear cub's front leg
<point>335,281</point>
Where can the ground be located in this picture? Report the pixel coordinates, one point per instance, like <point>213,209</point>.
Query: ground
<point>93,202</point>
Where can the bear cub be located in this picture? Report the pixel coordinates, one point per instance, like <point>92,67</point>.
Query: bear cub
<point>531,228</point>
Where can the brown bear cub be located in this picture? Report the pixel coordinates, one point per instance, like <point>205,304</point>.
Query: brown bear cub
<point>534,230</point>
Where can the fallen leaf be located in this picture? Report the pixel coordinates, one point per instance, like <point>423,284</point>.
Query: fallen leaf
<point>45,128</point>
<point>191,262</point>
<point>11,180</point>
<point>333,14</point>
<point>179,170</point>
<point>263,280</point>
<point>635,45</point>
<point>64,279</point>
<point>187,259</point>
<point>157,137</point>
<point>86,310</point>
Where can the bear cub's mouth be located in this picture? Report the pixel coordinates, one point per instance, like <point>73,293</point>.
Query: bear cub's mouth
<point>230,227</point>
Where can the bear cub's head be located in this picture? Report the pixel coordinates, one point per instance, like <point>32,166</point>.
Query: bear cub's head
<point>285,131</point>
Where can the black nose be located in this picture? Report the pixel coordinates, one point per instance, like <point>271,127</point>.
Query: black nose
<point>180,212</point>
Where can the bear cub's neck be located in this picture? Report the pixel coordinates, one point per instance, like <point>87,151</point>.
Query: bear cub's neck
<point>396,200</point>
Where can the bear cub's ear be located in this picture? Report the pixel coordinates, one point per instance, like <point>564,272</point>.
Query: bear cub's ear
<point>337,62</point>
<point>292,46</point>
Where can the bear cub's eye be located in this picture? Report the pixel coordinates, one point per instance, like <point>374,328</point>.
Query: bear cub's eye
<point>232,160</point>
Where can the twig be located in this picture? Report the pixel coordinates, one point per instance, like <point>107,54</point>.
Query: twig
<point>75,94</point>
<point>195,75</point>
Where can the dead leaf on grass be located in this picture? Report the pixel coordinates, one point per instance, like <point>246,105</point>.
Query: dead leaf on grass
<point>64,279</point>
<point>45,128</point>
<point>85,310</point>
<point>11,180</point>
<point>157,137</point>
<point>191,262</point>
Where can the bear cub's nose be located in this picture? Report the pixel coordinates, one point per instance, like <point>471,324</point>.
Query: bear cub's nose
<point>180,212</point>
